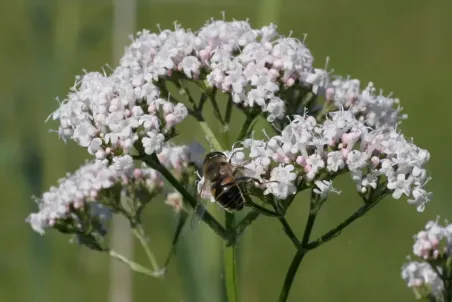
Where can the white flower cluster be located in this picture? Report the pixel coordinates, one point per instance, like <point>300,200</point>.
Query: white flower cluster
<point>307,150</point>
<point>251,64</point>
<point>421,277</point>
<point>109,114</point>
<point>433,241</point>
<point>174,157</point>
<point>368,104</point>
<point>84,187</point>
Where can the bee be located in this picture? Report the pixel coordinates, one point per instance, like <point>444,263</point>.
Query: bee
<point>224,180</point>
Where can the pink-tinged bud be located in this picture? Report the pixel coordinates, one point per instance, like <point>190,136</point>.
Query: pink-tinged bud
<point>125,180</point>
<point>331,143</point>
<point>435,243</point>
<point>417,282</point>
<point>108,150</point>
<point>307,168</point>
<point>152,108</point>
<point>171,119</point>
<point>329,94</point>
<point>204,54</point>
<point>278,158</point>
<point>52,222</point>
<point>375,161</point>
<point>127,113</point>
<point>274,73</point>
<point>345,139</point>
<point>290,82</point>
<point>169,72</point>
<point>195,76</point>
<point>137,173</point>
<point>287,160</point>
<point>351,99</point>
<point>301,161</point>
<point>344,153</point>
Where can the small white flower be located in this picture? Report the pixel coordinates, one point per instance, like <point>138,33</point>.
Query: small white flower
<point>324,187</point>
<point>123,163</point>
<point>400,185</point>
<point>153,142</point>
<point>281,182</point>
<point>357,160</point>
<point>315,162</point>
<point>335,161</point>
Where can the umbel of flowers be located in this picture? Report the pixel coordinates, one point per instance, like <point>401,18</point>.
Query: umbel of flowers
<point>430,277</point>
<point>324,125</point>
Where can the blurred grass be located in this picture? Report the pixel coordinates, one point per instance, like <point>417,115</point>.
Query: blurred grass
<point>402,47</point>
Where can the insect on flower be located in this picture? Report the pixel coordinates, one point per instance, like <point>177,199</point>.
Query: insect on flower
<point>224,180</point>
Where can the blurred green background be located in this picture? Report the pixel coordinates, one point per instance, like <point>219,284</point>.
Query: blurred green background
<point>402,46</point>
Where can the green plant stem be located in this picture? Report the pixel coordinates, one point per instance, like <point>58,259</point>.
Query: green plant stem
<point>299,255</point>
<point>245,127</point>
<point>153,162</point>
<point>133,265</point>
<point>141,236</point>
<point>289,232</point>
<point>230,273</point>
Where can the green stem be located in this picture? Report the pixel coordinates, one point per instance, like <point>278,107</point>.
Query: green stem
<point>301,252</point>
<point>290,275</point>
<point>133,265</point>
<point>230,261</point>
<point>153,162</point>
<point>141,236</point>
<point>289,232</point>
<point>245,128</point>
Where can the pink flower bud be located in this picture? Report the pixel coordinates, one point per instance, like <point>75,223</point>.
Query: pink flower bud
<point>329,94</point>
<point>301,161</point>
<point>137,173</point>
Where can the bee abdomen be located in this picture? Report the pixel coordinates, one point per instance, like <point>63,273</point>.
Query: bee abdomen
<point>230,197</point>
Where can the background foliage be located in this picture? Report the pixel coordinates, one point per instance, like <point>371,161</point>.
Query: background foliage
<point>402,46</point>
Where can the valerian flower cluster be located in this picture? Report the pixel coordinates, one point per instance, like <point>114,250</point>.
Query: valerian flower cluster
<point>96,189</point>
<point>430,276</point>
<point>306,151</point>
<point>324,125</point>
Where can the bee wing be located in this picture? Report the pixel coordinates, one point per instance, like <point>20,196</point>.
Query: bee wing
<point>200,209</point>
<point>197,215</point>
